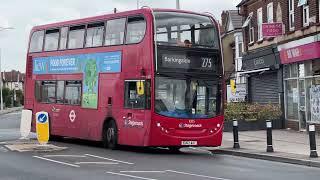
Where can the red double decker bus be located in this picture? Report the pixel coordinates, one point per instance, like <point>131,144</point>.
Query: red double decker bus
<point>148,77</point>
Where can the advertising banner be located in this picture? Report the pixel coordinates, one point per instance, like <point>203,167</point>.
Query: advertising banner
<point>272,29</point>
<point>315,103</point>
<point>90,65</point>
<point>239,95</point>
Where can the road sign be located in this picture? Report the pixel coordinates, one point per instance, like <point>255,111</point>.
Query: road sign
<point>42,120</point>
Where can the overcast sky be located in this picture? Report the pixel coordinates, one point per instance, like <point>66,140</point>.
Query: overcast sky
<point>24,14</point>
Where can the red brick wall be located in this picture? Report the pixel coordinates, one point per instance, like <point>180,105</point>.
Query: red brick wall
<point>254,5</point>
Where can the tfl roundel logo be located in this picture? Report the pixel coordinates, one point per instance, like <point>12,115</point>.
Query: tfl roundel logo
<point>42,118</point>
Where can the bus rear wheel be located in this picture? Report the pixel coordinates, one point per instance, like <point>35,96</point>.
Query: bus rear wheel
<point>110,136</point>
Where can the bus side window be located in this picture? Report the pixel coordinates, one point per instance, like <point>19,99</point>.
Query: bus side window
<point>76,37</point>
<point>73,92</point>
<point>94,36</point>
<point>36,42</point>
<point>115,32</point>
<point>51,40</point>
<point>48,92</point>
<point>136,29</point>
<point>135,97</point>
<point>63,38</point>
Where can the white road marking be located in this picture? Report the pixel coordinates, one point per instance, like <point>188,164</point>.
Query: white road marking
<point>197,175</point>
<point>111,163</point>
<point>60,155</point>
<point>127,175</point>
<point>59,162</point>
<point>109,159</point>
<point>142,171</point>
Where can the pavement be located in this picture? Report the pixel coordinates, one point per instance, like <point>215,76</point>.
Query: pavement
<point>10,110</point>
<point>289,146</point>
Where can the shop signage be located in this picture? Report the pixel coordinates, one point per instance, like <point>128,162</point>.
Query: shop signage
<point>272,29</point>
<point>300,53</point>
<point>239,95</point>
<point>258,62</point>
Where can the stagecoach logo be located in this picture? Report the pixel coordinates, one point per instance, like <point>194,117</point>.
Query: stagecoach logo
<point>133,124</point>
<point>189,125</point>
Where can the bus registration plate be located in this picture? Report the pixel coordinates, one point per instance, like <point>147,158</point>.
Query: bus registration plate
<point>189,143</point>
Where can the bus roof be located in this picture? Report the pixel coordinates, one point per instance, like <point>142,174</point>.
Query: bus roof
<point>108,16</point>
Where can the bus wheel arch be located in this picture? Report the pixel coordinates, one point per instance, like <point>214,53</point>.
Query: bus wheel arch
<point>110,133</point>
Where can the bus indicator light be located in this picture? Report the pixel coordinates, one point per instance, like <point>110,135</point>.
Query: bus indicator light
<point>42,127</point>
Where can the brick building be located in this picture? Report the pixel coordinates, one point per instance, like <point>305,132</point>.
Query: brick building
<point>232,44</point>
<point>284,69</point>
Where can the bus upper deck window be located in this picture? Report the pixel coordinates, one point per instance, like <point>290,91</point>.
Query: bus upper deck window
<point>51,40</point>
<point>136,29</point>
<point>36,41</point>
<point>94,36</point>
<point>76,37</point>
<point>63,38</point>
<point>115,32</point>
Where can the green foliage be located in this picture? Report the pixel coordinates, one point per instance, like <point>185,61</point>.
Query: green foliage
<point>252,112</point>
<point>8,96</point>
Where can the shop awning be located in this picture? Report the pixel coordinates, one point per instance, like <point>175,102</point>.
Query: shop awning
<point>302,2</point>
<point>246,23</point>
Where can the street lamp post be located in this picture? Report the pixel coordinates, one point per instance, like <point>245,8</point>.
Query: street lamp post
<point>1,83</point>
<point>177,4</point>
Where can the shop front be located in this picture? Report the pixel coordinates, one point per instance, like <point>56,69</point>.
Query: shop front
<point>301,73</point>
<point>262,69</point>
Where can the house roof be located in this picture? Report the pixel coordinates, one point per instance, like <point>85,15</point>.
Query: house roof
<point>13,76</point>
<point>241,3</point>
<point>235,18</point>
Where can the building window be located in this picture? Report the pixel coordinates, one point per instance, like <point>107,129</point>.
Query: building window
<point>76,37</point>
<point>115,32</point>
<point>291,15</point>
<point>305,15</point>
<point>270,12</point>
<point>94,36</point>
<point>251,33</point>
<point>51,41</point>
<point>259,23</point>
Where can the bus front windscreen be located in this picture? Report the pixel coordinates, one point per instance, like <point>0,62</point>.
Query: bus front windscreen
<point>183,29</point>
<point>186,98</point>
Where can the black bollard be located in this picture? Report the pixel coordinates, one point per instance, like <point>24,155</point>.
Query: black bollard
<point>235,135</point>
<point>312,137</point>
<point>269,136</point>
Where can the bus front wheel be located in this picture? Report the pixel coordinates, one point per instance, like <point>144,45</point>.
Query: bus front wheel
<point>110,139</point>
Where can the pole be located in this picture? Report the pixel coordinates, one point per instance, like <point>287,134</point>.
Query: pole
<point>269,136</point>
<point>312,137</point>
<point>1,83</point>
<point>138,4</point>
<point>177,4</point>
<point>235,135</point>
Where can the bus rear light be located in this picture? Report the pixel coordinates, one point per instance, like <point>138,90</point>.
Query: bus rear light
<point>158,125</point>
<point>211,131</point>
